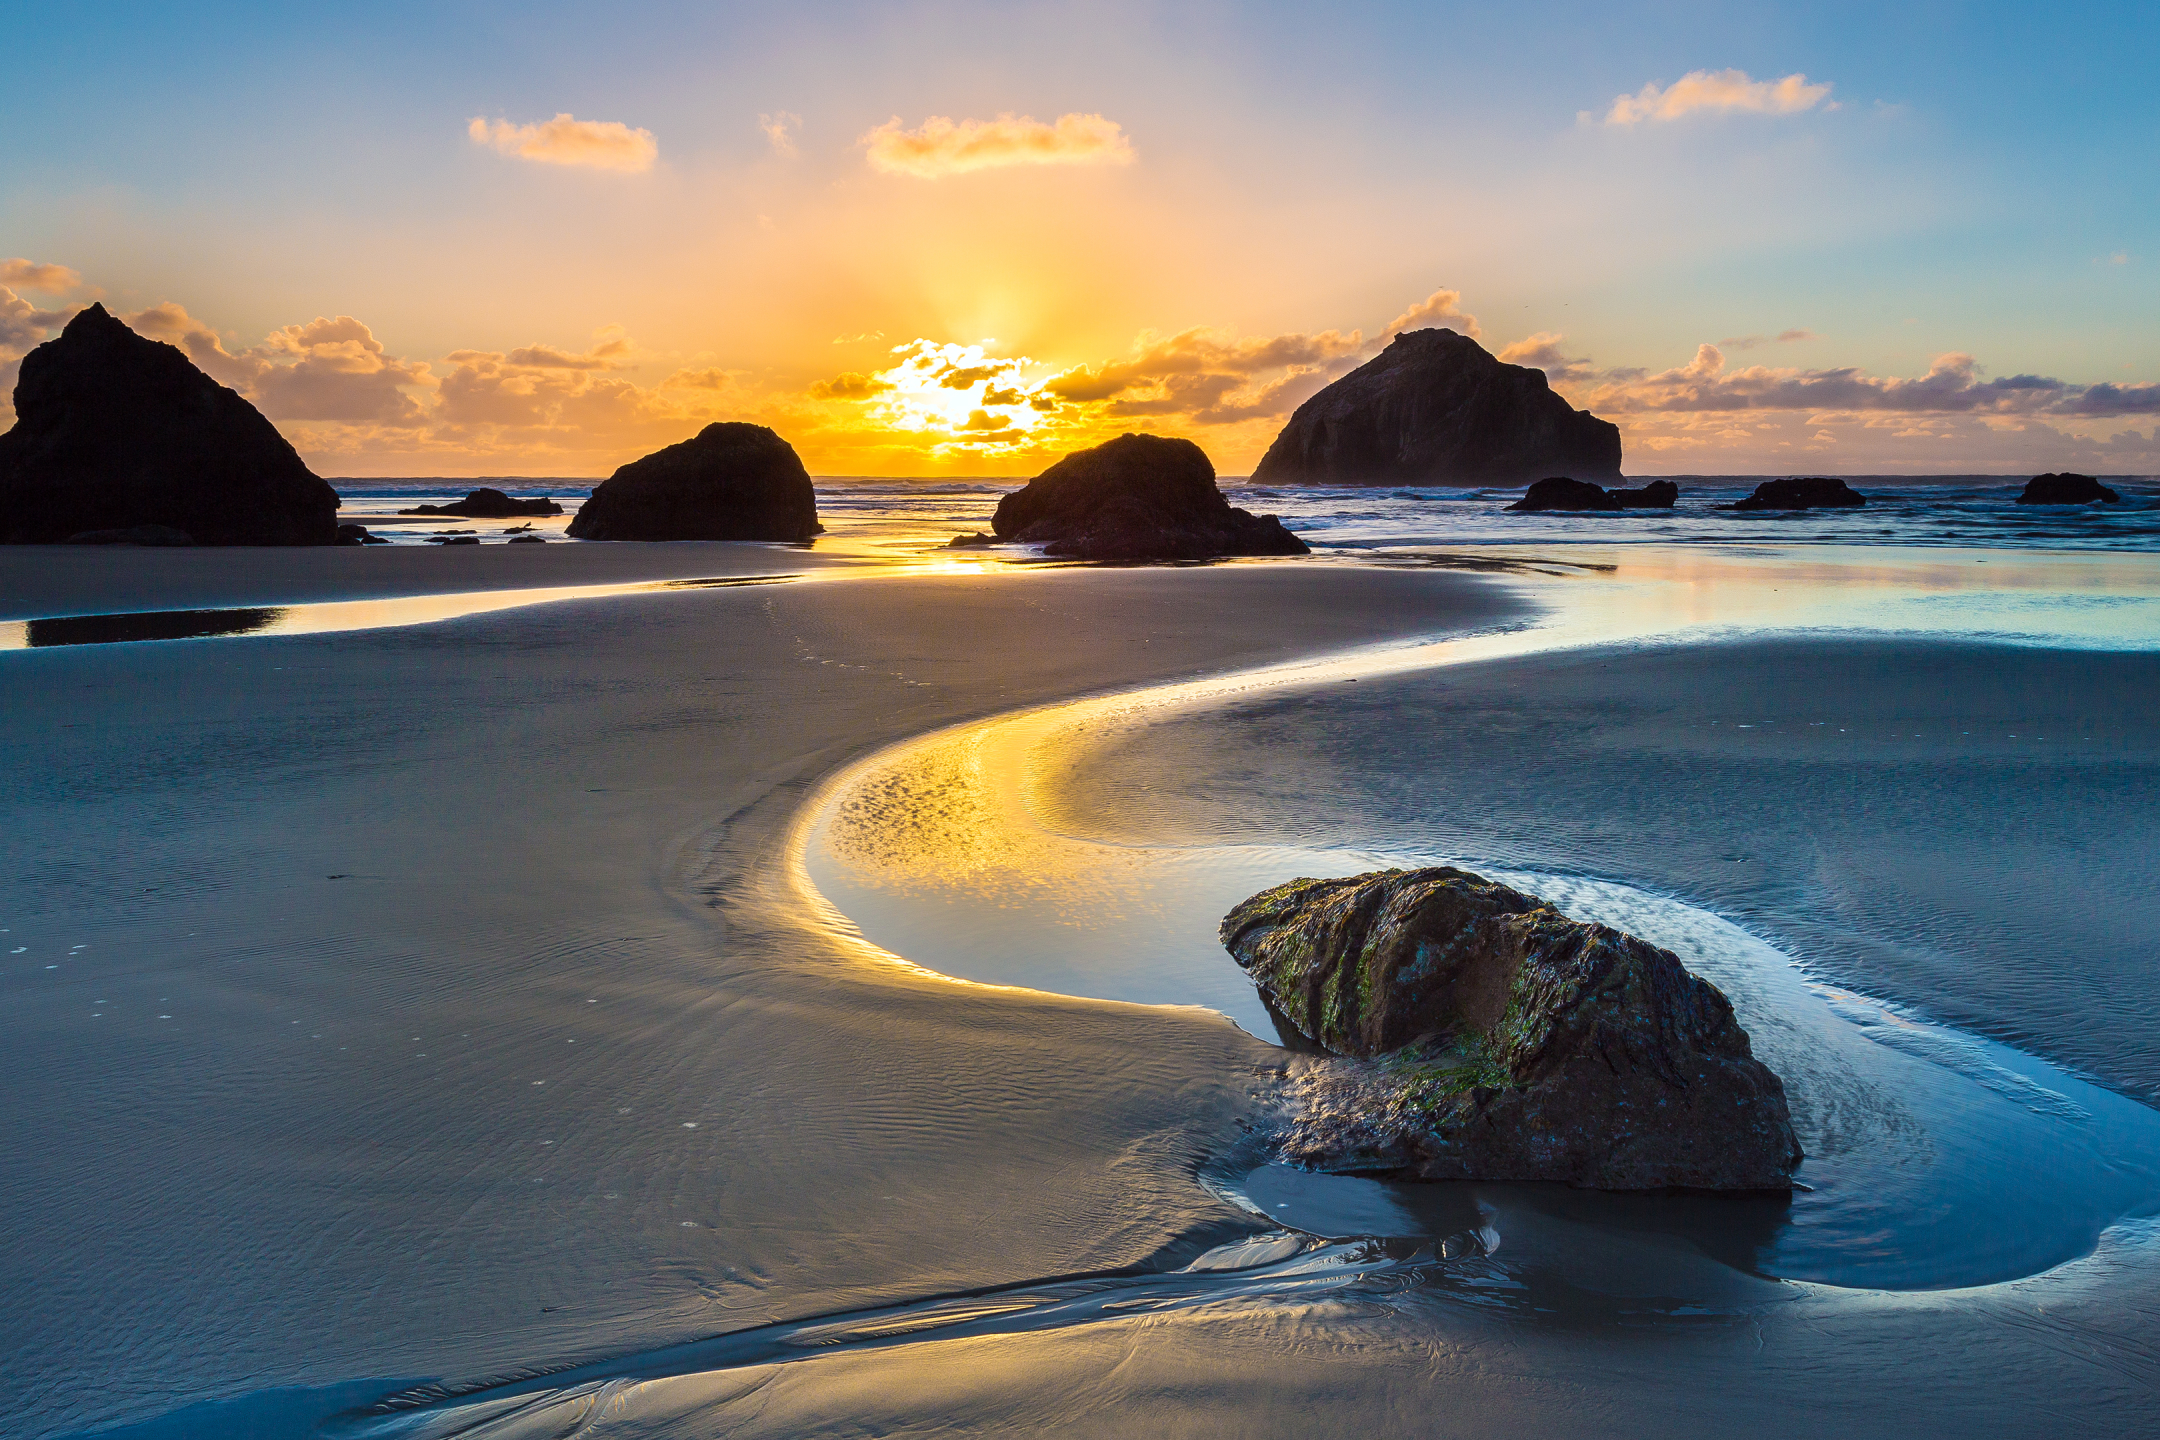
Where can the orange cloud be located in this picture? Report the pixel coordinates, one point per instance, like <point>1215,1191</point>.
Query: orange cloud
<point>23,325</point>
<point>941,147</point>
<point>29,275</point>
<point>779,130</point>
<point>329,369</point>
<point>567,140</point>
<point>1442,307</point>
<point>848,385</point>
<point>1721,91</point>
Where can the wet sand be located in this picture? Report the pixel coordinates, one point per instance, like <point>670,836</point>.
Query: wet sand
<point>431,1003</point>
<point>565,1066</point>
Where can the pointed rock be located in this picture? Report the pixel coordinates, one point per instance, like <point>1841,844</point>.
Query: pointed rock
<point>114,431</point>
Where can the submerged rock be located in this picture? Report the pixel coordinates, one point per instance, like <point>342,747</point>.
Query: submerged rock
<point>1804,492</point>
<point>2066,489</point>
<point>1138,497</point>
<point>730,481</point>
<point>114,431</point>
<point>1506,1041</point>
<point>1657,495</point>
<point>1435,408</point>
<point>1558,492</point>
<point>488,503</point>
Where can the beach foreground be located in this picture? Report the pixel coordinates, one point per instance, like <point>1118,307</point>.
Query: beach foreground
<point>443,1006</point>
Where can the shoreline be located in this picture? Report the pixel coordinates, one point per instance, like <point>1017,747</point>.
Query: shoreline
<point>574,825</point>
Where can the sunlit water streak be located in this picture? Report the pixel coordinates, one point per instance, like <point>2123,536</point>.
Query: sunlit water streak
<point>325,617</point>
<point>1936,1158</point>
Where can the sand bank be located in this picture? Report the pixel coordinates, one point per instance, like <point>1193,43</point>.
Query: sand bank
<point>428,1002</point>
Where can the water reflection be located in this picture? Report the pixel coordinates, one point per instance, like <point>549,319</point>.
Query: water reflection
<point>153,625</point>
<point>327,616</point>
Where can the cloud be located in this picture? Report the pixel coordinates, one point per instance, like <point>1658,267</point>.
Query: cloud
<point>23,325</point>
<point>849,385</point>
<point>609,352</point>
<point>1749,342</point>
<point>1720,92</point>
<point>1442,307</point>
<point>779,129</point>
<point>708,379</point>
<point>1952,386</point>
<point>1542,352</point>
<point>29,275</point>
<point>1201,351</point>
<point>945,147</point>
<point>984,420</point>
<point>329,369</point>
<point>566,140</point>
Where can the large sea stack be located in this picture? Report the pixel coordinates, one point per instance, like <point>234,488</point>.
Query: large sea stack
<point>1435,408</point>
<point>1506,1041</point>
<point>118,433</point>
<point>730,481</point>
<point>1138,497</point>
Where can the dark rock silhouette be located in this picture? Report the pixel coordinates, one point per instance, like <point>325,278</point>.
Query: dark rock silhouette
<point>976,541</point>
<point>1558,492</point>
<point>1806,492</point>
<point>730,481</point>
<point>487,503</point>
<point>1510,1042</point>
<point>162,535</point>
<point>114,431</point>
<point>2066,489</point>
<point>1435,408</point>
<point>1657,495</point>
<point>1138,497</point>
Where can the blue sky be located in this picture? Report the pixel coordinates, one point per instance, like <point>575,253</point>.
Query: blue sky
<point>1979,180</point>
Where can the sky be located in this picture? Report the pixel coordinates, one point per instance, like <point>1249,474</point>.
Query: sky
<point>925,239</point>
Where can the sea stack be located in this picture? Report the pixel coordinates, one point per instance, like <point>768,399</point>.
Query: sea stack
<point>1138,497</point>
<point>1802,492</point>
<point>730,481</point>
<point>1505,1041</point>
<point>488,503</point>
<point>2065,488</point>
<point>1435,408</point>
<point>116,433</point>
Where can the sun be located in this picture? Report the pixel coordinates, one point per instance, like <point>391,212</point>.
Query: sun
<point>962,394</point>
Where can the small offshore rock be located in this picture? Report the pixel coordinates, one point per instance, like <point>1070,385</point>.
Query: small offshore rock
<point>1138,497</point>
<point>1807,492</point>
<point>156,535</point>
<point>975,541</point>
<point>353,535</point>
<point>2066,489</point>
<point>1559,492</point>
<point>115,431</point>
<point>1657,495</point>
<point>488,503</point>
<point>730,481</point>
<point>526,540</point>
<point>1501,1040</point>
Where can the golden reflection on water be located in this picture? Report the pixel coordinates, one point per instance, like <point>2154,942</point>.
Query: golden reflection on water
<point>959,813</point>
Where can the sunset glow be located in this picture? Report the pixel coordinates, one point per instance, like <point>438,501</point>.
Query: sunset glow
<point>1158,241</point>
